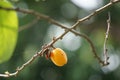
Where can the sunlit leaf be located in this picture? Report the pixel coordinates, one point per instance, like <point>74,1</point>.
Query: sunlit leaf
<point>8,31</point>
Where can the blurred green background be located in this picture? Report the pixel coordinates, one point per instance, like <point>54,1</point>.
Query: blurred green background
<point>81,63</point>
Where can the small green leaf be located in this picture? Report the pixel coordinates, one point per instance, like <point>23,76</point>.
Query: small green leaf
<point>8,31</point>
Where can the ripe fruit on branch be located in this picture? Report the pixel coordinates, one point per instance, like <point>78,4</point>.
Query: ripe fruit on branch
<point>58,57</point>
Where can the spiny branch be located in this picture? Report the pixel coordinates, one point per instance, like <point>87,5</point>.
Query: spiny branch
<point>72,29</point>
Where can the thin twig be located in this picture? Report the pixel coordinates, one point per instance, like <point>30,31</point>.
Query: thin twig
<point>34,13</point>
<point>19,69</point>
<point>24,27</point>
<point>105,41</point>
<point>95,13</point>
<point>23,66</point>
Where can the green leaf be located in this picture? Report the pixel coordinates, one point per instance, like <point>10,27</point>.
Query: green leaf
<point>8,31</point>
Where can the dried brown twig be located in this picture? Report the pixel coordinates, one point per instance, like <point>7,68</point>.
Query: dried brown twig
<point>105,41</point>
<point>72,29</point>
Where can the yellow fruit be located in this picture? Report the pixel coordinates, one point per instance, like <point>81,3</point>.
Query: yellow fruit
<point>58,57</point>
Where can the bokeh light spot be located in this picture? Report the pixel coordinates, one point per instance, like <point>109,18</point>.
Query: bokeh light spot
<point>69,10</point>
<point>114,63</point>
<point>88,4</point>
<point>70,41</point>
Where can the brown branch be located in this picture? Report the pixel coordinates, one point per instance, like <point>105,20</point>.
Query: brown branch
<point>23,66</point>
<point>95,13</point>
<point>34,13</point>
<point>7,74</point>
<point>19,69</point>
<point>105,41</point>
